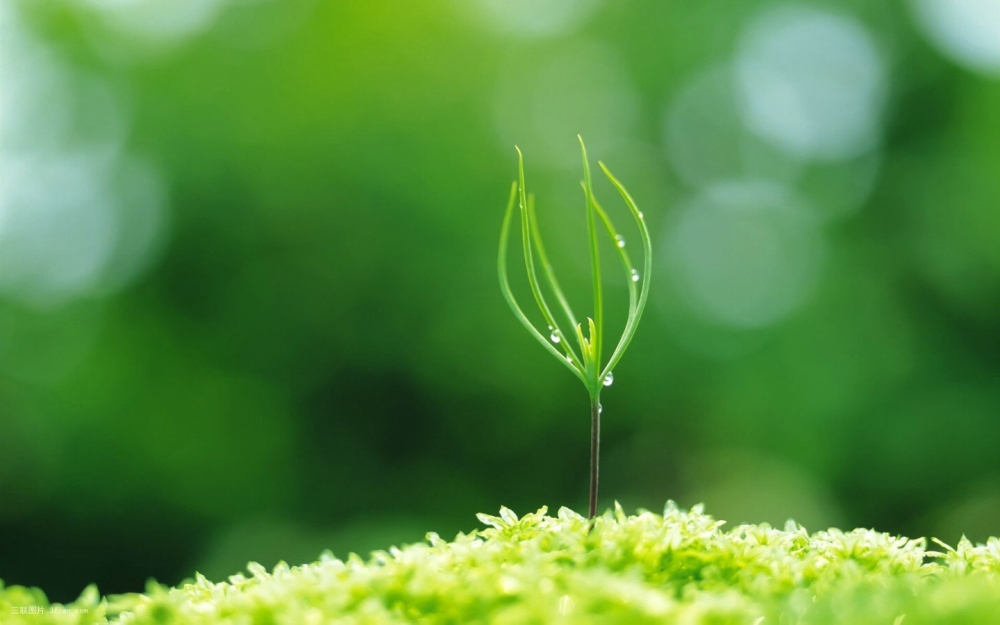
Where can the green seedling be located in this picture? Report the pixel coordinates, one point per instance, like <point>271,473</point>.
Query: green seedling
<point>585,360</point>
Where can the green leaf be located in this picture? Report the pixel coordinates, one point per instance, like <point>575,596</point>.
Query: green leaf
<point>585,360</point>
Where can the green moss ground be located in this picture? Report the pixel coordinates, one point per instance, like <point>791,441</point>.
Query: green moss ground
<point>678,567</point>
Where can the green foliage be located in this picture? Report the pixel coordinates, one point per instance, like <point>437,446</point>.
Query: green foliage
<point>320,289</point>
<point>585,361</point>
<point>647,568</point>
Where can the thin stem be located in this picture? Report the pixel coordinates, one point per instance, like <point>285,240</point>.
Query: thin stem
<point>595,448</point>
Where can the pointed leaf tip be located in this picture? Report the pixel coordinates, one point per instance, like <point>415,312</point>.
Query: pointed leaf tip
<point>508,515</point>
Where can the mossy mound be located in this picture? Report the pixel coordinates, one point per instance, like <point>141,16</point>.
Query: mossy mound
<point>679,567</point>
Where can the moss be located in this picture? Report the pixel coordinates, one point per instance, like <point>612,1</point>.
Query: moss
<point>647,568</point>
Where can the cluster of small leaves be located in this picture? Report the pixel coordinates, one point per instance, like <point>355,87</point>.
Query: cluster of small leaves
<point>678,567</point>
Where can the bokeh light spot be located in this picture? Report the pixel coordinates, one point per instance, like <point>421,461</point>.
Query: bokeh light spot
<point>59,227</point>
<point>811,82</point>
<point>155,23</point>
<point>707,140</point>
<point>966,31</point>
<point>743,253</point>
<point>78,212</point>
<point>533,18</point>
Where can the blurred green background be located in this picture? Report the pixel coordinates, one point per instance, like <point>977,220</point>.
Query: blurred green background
<point>248,296</point>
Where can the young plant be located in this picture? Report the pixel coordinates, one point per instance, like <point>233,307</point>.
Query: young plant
<point>585,360</point>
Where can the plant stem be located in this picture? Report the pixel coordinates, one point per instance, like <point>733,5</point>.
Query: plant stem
<point>595,444</point>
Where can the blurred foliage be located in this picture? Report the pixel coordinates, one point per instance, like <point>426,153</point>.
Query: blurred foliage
<point>248,306</point>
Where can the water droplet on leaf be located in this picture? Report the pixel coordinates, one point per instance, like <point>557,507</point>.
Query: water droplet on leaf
<point>635,275</point>
<point>600,409</point>
<point>620,240</point>
<point>554,337</point>
<point>609,379</point>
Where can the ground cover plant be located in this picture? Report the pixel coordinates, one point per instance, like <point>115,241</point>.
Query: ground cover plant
<point>676,567</point>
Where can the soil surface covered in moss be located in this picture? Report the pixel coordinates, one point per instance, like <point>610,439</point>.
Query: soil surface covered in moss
<point>678,567</point>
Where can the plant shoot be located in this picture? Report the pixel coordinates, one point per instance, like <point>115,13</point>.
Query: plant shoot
<point>579,347</point>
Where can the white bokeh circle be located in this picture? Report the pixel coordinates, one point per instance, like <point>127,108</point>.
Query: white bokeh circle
<point>744,253</point>
<point>812,82</point>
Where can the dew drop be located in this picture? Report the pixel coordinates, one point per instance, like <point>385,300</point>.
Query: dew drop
<point>635,275</point>
<point>609,379</point>
<point>640,214</point>
<point>620,240</point>
<point>600,409</point>
<point>569,360</point>
<point>554,337</point>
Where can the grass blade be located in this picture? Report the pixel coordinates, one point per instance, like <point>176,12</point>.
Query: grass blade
<point>547,266</point>
<point>647,267</point>
<point>593,368</point>
<point>527,228</point>
<point>509,295</point>
<point>630,283</point>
